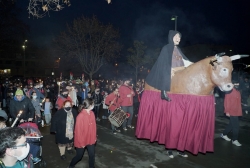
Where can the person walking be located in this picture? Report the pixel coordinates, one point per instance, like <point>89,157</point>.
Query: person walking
<point>47,107</point>
<point>63,124</point>
<point>112,100</point>
<point>85,133</point>
<point>21,103</point>
<point>126,93</point>
<point>232,109</point>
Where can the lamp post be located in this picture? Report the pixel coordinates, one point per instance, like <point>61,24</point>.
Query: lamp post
<point>230,52</point>
<point>174,17</point>
<point>116,65</point>
<point>24,59</point>
<point>59,59</point>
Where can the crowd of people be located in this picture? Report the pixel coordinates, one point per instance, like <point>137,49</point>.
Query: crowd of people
<point>73,102</point>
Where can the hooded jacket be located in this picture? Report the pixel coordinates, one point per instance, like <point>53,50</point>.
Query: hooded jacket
<point>25,105</point>
<point>160,75</point>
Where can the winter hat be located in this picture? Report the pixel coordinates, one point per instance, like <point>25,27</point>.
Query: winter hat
<point>19,92</point>
<point>64,90</point>
<point>3,114</point>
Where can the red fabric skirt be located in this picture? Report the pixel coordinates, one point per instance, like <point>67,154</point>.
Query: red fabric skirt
<point>185,123</point>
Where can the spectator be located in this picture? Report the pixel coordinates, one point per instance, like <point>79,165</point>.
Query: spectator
<point>73,95</point>
<point>92,86</point>
<point>245,88</point>
<point>62,98</point>
<point>63,124</point>
<point>36,89</point>
<point>21,103</point>
<point>37,106</point>
<point>3,119</point>
<point>14,148</point>
<point>47,107</point>
<point>105,107</point>
<point>97,97</point>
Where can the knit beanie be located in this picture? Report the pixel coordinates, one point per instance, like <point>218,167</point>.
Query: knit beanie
<point>19,92</point>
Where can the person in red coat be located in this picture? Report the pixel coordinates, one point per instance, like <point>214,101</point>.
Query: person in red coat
<point>112,100</point>
<point>232,109</point>
<point>85,134</point>
<point>126,98</point>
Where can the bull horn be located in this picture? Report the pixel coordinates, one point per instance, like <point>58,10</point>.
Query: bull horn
<point>235,57</point>
<point>243,56</point>
<point>218,56</point>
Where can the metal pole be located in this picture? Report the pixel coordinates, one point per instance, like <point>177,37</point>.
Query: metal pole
<point>24,61</point>
<point>24,58</point>
<point>175,23</point>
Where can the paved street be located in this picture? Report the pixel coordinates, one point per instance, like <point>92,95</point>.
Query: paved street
<point>123,150</point>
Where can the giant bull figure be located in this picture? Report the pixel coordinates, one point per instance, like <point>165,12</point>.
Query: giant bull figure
<point>202,77</point>
<point>187,122</point>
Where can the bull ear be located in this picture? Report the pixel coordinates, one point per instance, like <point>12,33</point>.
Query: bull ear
<point>218,56</point>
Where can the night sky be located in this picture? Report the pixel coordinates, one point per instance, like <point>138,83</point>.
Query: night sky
<point>223,22</point>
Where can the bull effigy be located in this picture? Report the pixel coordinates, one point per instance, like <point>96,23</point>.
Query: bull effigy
<point>187,121</point>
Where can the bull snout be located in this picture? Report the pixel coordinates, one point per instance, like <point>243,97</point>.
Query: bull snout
<point>226,87</point>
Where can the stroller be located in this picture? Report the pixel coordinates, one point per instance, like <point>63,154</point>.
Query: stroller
<point>33,137</point>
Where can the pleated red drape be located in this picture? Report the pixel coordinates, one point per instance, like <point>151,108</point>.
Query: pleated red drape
<point>185,123</point>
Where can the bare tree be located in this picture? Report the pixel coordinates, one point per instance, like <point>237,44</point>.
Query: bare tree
<point>90,42</point>
<point>137,56</point>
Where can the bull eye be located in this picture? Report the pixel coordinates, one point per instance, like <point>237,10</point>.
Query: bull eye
<point>224,69</point>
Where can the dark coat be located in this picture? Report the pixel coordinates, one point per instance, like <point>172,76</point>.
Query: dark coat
<point>160,75</point>
<point>97,98</point>
<point>25,105</point>
<point>58,125</point>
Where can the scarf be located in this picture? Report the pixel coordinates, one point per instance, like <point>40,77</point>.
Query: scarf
<point>69,124</point>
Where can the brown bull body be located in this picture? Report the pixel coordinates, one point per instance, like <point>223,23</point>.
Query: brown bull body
<point>201,77</point>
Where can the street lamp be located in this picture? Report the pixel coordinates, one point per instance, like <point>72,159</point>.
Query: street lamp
<point>24,47</point>
<point>174,17</point>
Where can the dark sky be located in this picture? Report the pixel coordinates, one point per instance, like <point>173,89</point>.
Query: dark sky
<point>199,21</point>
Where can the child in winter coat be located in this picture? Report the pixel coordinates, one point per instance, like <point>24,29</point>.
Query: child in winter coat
<point>47,107</point>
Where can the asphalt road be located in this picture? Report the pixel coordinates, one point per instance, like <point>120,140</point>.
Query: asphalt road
<point>123,150</point>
